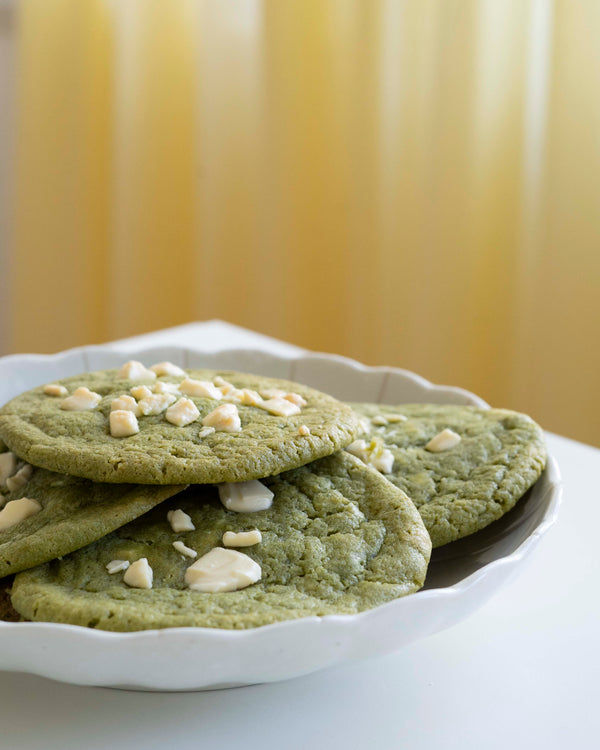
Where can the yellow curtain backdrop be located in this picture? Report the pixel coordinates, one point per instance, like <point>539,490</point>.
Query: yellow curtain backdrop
<point>407,182</point>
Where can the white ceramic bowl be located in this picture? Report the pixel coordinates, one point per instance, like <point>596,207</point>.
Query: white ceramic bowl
<point>462,576</point>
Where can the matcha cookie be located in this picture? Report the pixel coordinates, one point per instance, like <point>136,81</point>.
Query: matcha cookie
<point>337,539</point>
<point>195,427</point>
<point>462,466</point>
<point>7,612</point>
<point>66,513</point>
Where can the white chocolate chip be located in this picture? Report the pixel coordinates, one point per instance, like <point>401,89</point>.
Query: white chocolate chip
<point>182,413</point>
<point>162,387</point>
<point>183,550</point>
<point>249,397</point>
<point>393,418</point>
<point>139,574</point>
<point>224,418</point>
<point>206,431</point>
<point>280,407</point>
<point>294,398</point>
<point>8,465</point>
<point>134,370</point>
<point>116,566</point>
<point>124,403</point>
<point>167,368</point>
<point>82,400</point>
<point>374,453</point>
<point>273,393</point>
<point>303,430</point>
<point>53,389</point>
<point>224,386</point>
<point>200,388</point>
<point>180,521</point>
<point>245,497</point>
<point>245,396</point>
<point>359,449</point>
<point>155,403</point>
<point>20,478</point>
<point>379,420</point>
<point>443,441</point>
<point>242,538</point>
<point>16,511</point>
<point>140,391</point>
<point>383,462</point>
<point>123,423</point>
<point>222,570</point>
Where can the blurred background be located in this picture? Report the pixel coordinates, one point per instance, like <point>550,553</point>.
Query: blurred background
<point>412,183</point>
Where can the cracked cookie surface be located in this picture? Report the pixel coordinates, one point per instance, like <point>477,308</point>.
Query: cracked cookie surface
<point>79,442</point>
<point>338,539</point>
<point>74,513</point>
<point>458,491</point>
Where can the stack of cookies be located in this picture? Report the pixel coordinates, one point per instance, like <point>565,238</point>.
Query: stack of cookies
<point>156,497</point>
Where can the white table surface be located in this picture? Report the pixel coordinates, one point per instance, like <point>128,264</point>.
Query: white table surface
<point>520,673</point>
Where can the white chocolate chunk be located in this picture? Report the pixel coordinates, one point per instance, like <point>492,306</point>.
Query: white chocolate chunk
<point>374,453</point>
<point>223,385</point>
<point>359,449</point>
<point>139,574</point>
<point>393,418</point>
<point>383,462</point>
<point>280,407</point>
<point>116,566</point>
<point>140,391</point>
<point>82,400</point>
<point>167,368</point>
<point>443,441</point>
<point>379,420</point>
<point>365,425</point>
<point>16,511</point>
<point>249,397</point>
<point>162,387</point>
<point>183,550</point>
<point>182,413</point>
<point>123,423</point>
<point>222,570</point>
<point>206,431</point>
<point>8,465</point>
<point>245,497</point>
<point>200,388</point>
<point>242,538</point>
<point>20,478</point>
<point>180,521</point>
<point>303,430</point>
<point>224,418</point>
<point>53,389</point>
<point>245,396</point>
<point>155,403</point>
<point>273,393</point>
<point>233,396</point>
<point>134,370</point>
<point>124,403</point>
<point>294,398</point>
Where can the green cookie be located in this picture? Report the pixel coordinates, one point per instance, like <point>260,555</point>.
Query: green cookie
<point>7,611</point>
<point>463,489</point>
<point>74,513</point>
<point>338,539</point>
<point>80,443</point>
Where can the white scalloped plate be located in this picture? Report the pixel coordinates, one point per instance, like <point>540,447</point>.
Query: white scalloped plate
<point>462,576</point>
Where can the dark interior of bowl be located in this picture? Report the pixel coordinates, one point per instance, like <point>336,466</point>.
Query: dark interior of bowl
<point>457,560</point>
